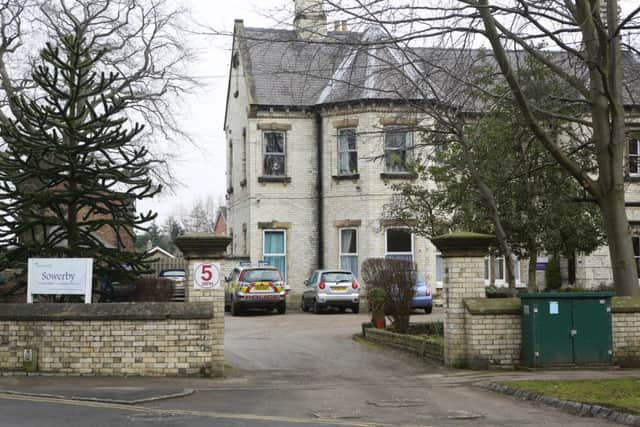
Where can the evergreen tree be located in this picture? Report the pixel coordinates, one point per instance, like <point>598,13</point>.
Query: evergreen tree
<point>72,170</point>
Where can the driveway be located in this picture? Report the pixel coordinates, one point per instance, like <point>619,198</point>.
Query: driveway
<point>307,365</point>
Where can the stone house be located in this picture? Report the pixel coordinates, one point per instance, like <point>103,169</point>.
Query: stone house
<point>317,130</point>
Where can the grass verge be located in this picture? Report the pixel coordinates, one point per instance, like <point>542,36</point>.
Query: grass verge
<point>620,394</point>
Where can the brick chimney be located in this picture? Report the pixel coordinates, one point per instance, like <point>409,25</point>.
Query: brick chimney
<point>310,19</point>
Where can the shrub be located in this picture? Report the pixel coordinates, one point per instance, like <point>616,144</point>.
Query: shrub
<point>397,279</point>
<point>552,277</point>
<point>153,289</point>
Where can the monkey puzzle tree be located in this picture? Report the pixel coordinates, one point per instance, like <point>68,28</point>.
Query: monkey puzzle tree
<point>72,170</point>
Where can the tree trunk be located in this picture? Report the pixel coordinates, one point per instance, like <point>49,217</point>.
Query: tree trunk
<point>623,265</point>
<point>532,285</point>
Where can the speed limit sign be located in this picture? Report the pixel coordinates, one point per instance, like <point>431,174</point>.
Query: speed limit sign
<point>206,276</point>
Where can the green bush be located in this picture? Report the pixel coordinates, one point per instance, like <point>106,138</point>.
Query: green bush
<point>552,277</point>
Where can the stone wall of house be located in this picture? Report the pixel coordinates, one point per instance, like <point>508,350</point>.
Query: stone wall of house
<point>594,270</point>
<point>360,202</point>
<point>151,339</point>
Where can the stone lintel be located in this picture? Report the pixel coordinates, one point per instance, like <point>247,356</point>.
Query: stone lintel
<point>398,121</point>
<point>202,245</point>
<point>274,126</point>
<point>275,225</point>
<point>464,244</point>
<point>342,223</point>
<point>345,123</point>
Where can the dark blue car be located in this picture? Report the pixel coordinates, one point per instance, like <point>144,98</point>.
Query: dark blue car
<point>422,298</point>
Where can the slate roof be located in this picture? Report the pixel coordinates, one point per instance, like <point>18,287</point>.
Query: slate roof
<point>348,66</point>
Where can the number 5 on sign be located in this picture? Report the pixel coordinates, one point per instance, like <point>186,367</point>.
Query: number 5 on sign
<point>206,276</point>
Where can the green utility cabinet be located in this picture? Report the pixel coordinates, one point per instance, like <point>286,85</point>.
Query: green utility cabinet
<point>566,328</point>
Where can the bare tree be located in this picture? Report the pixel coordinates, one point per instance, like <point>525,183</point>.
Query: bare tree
<point>142,40</point>
<point>436,44</point>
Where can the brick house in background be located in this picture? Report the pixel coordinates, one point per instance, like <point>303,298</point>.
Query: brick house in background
<point>310,158</point>
<point>220,224</point>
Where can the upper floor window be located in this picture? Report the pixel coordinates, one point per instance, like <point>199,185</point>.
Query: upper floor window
<point>347,152</point>
<point>398,141</point>
<point>634,156</point>
<point>274,153</point>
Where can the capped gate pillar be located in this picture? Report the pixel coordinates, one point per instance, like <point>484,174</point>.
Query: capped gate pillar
<point>463,261</point>
<point>207,266</point>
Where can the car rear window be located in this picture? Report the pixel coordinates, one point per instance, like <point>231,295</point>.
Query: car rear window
<point>420,278</point>
<point>260,275</point>
<point>336,277</point>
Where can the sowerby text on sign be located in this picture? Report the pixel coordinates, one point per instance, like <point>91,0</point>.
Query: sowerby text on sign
<point>206,276</point>
<point>60,276</point>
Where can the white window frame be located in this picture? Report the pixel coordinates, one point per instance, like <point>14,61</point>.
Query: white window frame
<point>500,283</point>
<point>634,140</point>
<point>439,283</point>
<point>348,151</point>
<point>284,254</point>
<point>635,242</point>
<point>341,254</point>
<point>283,154</point>
<point>386,249</point>
<point>408,145</point>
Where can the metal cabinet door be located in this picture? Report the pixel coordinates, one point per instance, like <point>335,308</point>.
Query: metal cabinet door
<point>592,325</point>
<point>554,344</point>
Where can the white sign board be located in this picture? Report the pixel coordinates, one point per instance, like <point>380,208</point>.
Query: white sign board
<point>206,276</point>
<point>60,276</point>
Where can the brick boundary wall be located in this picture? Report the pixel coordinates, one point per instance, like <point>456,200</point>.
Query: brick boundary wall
<point>420,346</point>
<point>626,331</point>
<point>494,334</point>
<point>150,339</point>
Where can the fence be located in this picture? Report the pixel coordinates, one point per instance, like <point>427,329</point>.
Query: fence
<point>177,263</point>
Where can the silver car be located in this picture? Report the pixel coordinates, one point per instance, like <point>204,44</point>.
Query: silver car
<point>331,288</point>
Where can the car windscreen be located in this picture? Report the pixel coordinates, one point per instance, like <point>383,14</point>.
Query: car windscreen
<point>336,277</point>
<point>260,276</point>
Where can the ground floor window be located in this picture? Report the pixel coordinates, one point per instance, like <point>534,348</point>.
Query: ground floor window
<point>439,270</point>
<point>349,250</point>
<point>496,272</point>
<point>274,250</point>
<point>399,244</point>
<point>636,251</point>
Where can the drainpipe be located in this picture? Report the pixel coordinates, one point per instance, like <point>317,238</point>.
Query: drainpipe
<point>320,190</point>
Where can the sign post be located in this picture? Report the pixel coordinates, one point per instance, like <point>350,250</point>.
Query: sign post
<point>60,276</point>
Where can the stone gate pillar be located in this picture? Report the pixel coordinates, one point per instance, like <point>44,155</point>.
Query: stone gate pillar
<point>463,261</point>
<point>202,249</point>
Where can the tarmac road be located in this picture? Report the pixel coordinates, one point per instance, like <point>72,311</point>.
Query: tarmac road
<point>296,369</point>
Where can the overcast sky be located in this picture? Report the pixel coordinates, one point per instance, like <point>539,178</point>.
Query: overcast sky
<point>200,167</point>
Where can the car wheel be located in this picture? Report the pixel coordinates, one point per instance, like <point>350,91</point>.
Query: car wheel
<point>235,310</point>
<point>304,306</point>
<point>282,308</point>
<point>428,310</point>
<point>317,308</point>
<point>355,309</point>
